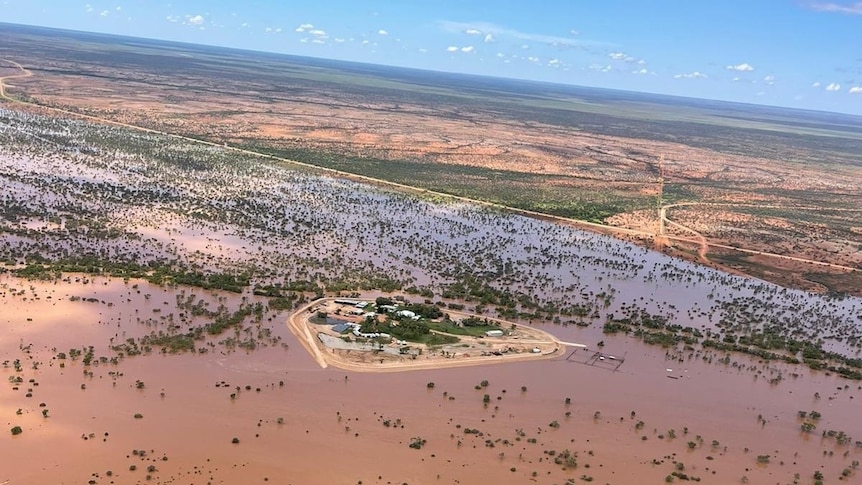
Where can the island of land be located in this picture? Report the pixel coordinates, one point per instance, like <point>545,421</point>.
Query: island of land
<point>391,335</point>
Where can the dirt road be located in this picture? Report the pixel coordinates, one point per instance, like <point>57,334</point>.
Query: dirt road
<point>704,244</point>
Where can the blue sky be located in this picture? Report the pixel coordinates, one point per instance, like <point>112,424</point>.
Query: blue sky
<point>797,53</point>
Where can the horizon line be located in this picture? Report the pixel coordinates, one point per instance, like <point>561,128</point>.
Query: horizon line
<point>459,73</point>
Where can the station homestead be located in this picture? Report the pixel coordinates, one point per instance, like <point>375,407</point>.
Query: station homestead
<point>393,334</point>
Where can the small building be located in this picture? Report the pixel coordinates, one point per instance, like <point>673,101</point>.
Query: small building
<point>361,304</point>
<point>407,314</point>
<point>494,333</point>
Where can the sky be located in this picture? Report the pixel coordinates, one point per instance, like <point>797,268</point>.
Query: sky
<point>793,53</point>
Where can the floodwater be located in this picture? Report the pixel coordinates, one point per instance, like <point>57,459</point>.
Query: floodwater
<point>232,213</point>
<point>333,431</point>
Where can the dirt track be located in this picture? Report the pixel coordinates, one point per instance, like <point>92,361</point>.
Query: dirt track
<point>704,244</point>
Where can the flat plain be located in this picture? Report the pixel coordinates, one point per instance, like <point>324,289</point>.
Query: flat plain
<point>768,180</point>
<point>154,250</point>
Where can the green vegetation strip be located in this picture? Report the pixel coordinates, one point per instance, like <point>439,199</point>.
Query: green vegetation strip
<point>556,195</point>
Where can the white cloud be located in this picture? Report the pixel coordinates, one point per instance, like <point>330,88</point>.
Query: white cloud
<point>304,27</point>
<point>489,38</point>
<point>500,54</point>
<point>452,48</point>
<point>382,32</point>
<point>574,32</point>
<point>816,84</point>
<point>600,67</point>
<point>856,90</point>
<point>622,56</point>
<point>691,75</point>
<point>104,13</point>
<point>555,63</point>
<point>318,41</point>
<point>770,80</point>
<point>195,20</point>
<point>833,87</point>
<point>339,40</point>
<point>499,32</point>
<point>735,79</point>
<point>268,29</point>
<point>642,70</point>
<point>317,32</point>
<point>473,32</point>
<point>422,50</point>
<point>533,59</point>
<point>88,7</point>
<point>467,49</point>
<point>851,9</point>
<point>173,18</point>
<point>744,67</point>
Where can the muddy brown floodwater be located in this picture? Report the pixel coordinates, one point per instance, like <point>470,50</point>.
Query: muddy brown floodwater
<point>341,427</point>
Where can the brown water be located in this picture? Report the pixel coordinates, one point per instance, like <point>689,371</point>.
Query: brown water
<point>295,226</point>
<point>194,422</point>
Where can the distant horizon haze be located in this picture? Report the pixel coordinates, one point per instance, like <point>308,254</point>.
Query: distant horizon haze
<point>784,53</point>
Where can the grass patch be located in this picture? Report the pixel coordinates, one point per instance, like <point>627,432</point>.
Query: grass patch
<point>472,331</point>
